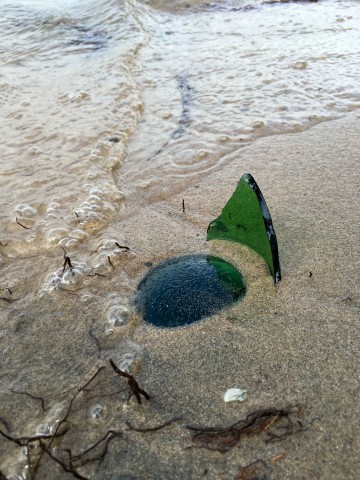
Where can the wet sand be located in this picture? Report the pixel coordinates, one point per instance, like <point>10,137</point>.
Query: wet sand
<point>296,343</point>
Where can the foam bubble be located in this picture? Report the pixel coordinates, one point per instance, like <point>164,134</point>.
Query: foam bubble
<point>97,411</point>
<point>30,238</point>
<point>78,234</point>
<point>300,65</point>
<point>78,96</point>
<point>72,276</point>
<point>34,151</point>
<point>258,124</point>
<point>127,362</point>
<point>25,210</point>
<point>118,315</point>
<point>56,234</point>
<point>72,243</point>
<point>44,429</point>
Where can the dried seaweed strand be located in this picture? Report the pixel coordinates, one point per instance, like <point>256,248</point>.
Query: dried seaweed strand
<point>152,429</point>
<point>259,421</point>
<point>21,225</point>
<point>41,400</point>
<point>122,247</point>
<point>67,468</point>
<point>133,384</point>
<point>92,335</point>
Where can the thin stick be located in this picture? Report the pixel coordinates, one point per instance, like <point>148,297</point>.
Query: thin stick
<point>152,429</point>
<point>31,396</point>
<point>133,384</point>
<point>21,225</point>
<point>122,246</point>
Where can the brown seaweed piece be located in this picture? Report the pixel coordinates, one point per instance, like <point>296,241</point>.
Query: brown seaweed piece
<point>277,424</point>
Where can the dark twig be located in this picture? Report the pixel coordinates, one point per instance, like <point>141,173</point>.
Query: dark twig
<point>110,433</point>
<point>152,429</point>
<point>183,206</point>
<point>92,335</point>
<point>9,300</point>
<point>21,225</point>
<point>91,379</point>
<point>97,275</point>
<point>109,260</point>
<point>8,289</point>
<point>67,468</point>
<point>5,423</point>
<point>67,262</point>
<point>65,419</point>
<point>31,396</point>
<point>23,441</point>
<point>61,422</point>
<point>133,384</point>
<point>122,247</point>
<point>64,457</point>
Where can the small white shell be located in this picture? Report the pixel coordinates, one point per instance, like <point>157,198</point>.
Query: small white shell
<point>235,394</point>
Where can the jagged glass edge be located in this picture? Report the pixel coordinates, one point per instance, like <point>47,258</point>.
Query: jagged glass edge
<point>269,227</point>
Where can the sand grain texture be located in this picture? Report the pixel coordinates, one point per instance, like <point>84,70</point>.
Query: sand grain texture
<point>297,343</point>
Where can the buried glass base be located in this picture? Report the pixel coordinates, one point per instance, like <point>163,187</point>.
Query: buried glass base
<point>185,289</point>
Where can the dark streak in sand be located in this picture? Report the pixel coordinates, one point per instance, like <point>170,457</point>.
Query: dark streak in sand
<point>185,118</point>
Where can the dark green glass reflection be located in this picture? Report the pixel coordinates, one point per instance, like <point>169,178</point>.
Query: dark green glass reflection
<point>185,289</point>
<point>246,219</point>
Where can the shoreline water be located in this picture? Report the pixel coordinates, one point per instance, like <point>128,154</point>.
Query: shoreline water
<point>89,94</point>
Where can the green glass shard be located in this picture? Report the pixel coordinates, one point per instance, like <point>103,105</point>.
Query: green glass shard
<point>246,219</point>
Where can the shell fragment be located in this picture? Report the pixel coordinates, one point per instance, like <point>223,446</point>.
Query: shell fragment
<point>235,394</point>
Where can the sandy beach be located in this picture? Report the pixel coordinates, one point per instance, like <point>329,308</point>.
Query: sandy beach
<point>296,344</point>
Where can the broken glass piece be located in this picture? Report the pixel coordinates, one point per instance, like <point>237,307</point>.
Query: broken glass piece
<point>246,219</point>
<point>185,289</point>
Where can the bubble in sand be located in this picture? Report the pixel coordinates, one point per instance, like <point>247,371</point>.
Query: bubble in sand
<point>127,362</point>
<point>44,429</point>
<point>34,151</point>
<point>258,124</point>
<point>96,411</point>
<point>78,96</point>
<point>25,210</point>
<point>30,238</point>
<point>78,234</point>
<point>56,234</point>
<point>300,65</point>
<point>118,315</point>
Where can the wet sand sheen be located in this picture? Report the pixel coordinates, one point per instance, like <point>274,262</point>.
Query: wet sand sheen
<point>126,132</point>
<point>294,344</point>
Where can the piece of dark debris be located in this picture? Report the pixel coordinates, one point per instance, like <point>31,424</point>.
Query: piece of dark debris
<point>275,423</point>
<point>133,384</point>
<point>21,225</point>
